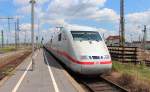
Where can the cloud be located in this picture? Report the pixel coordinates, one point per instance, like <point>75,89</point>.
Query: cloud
<point>104,15</point>
<point>76,9</point>
<point>42,1</point>
<point>135,24</point>
<point>139,17</point>
<point>60,11</point>
<point>97,2</point>
<point>21,2</point>
<point>27,27</point>
<point>80,27</point>
<point>54,22</point>
<point>24,10</point>
<point>24,7</point>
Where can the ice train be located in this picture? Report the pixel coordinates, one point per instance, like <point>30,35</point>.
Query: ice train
<point>82,50</point>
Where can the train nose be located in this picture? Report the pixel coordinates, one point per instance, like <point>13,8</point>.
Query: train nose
<point>98,68</point>
<point>96,64</point>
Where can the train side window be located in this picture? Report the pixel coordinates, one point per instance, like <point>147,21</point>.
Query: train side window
<point>59,37</point>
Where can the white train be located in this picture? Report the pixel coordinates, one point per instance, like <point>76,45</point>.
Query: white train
<point>82,50</point>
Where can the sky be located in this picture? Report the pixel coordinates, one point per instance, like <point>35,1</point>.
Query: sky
<point>97,14</point>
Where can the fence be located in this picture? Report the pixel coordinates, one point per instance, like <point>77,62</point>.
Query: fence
<point>124,54</point>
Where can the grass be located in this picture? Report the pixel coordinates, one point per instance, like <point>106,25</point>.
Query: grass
<point>7,49</point>
<point>140,72</point>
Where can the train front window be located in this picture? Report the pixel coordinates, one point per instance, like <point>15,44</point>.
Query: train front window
<point>85,36</point>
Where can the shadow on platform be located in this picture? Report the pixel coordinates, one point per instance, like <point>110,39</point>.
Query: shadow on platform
<point>52,60</point>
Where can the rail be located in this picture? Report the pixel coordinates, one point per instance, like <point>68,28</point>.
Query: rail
<point>100,84</point>
<point>5,69</point>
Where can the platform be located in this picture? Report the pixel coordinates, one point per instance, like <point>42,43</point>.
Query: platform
<point>47,76</point>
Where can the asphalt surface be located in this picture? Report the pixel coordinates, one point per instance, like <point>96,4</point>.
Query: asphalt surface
<point>47,76</point>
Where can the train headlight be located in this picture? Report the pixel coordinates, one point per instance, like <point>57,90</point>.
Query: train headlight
<point>84,57</point>
<point>106,57</point>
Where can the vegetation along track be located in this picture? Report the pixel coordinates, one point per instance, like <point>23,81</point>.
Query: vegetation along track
<point>5,69</point>
<point>92,84</point>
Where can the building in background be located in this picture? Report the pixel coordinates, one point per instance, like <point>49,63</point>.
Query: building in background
<point>113,40</point>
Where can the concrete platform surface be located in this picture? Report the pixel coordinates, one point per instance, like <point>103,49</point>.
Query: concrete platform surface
<point>47,76</point>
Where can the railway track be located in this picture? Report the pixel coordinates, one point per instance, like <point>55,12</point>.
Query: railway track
<point>5,69</point>
<point>100,84</point>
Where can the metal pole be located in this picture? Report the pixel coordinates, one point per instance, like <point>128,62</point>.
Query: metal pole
<point>25,37</point>
<point>38,33</point>
<point>131,39</point>
<point>36,42</point>
<point>8,29</point>
<point>32,30</point>
<point>122,26</point>
<point>144,37</point>
<point>18,29</point>
<point>16,35</point>
<point>2,38</point>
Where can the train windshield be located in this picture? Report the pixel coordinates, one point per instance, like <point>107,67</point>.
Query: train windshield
<point>86,36</point>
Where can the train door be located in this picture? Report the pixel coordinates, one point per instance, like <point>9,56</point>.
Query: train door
<point>59,44</point>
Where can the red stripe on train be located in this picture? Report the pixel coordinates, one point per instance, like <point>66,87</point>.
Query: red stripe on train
<point>105,62</point>
<point>79,62</point>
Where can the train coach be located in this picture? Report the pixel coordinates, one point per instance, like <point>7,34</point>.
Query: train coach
<point>82,50</point>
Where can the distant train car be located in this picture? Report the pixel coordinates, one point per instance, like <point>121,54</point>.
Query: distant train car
<point>82,50</point>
